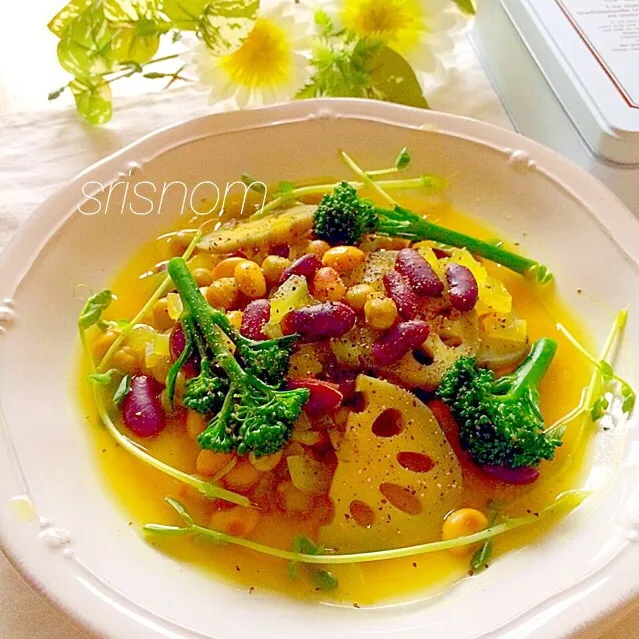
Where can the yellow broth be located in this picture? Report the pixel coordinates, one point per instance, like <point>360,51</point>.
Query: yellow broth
<point>141,490</point>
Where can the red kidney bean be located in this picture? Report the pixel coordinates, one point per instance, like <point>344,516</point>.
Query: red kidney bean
<point>401,293</point>
<point>142,410</point>
<point>177,342</point>
<point>281,250</point>
<point>256,314</point>
<point>399,340</point>
<point>306,266</point>
<point>323,321</point>
<point>345,380</point>
<point>514,476</point>
<point>419,273</point>
<point>462,287</point>
<point>324,396</point>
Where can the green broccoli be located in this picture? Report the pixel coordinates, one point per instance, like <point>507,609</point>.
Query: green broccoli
<point>254,416</point>
<point>343,217</point>
<point>499,418</point>
<point>205,393</point>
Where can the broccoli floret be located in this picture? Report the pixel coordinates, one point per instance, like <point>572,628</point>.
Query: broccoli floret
<point>267,360</point>
<point>254,416</point>
<point>343,217</point>
<point>205,393</point>
<point>499,418</point>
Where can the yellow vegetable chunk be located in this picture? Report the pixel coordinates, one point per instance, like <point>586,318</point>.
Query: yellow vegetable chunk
<point>395,463</point>
<point>504,340</point>
<point>290,295</point>
<point>282,226</point>
<point>493,295</point>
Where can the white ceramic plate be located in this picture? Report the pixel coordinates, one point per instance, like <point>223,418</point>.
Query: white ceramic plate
<point>79,550</point>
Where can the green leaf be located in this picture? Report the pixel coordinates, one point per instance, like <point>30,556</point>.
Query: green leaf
<point>85,45</point>
<point>403,159</point>
<point>599,408</point>
<point>122,323</point>
<point>253,184</point>
<point>324,580</point>
<point>306,546</point>
<point>93,99</point>
<point>557,433</point>
<point>94,307</point>
<point>130,45</point>
<point>225,24</point>
<point>466,6</point>
<point>54,95</point>
<point>122,390</point>
<point>139,25</point>
<point>606,371</point>
<point>629,398</point>
<point>286,187</point>
<point>394,80</point>
<point>184,14</point>
<point>66,15</point>
<point>479,561</point>
<point>102,379</point>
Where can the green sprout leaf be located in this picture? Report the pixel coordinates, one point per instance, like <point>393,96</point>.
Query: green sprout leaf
<point>85,45</point>
<point>122,390</point>
<point>92,99</point>
<point>466,6</point>
<point>102,379</point>
<point>479,561</point>
<point>403,159</point>
<point>629,398</point>
<point>253,184</point>
<point>286,187</point>
<point>94,307</point>
<point>607,374</point>
<point>599,408</point>
<point>324,580</point>
<point>394,80</point>
<point>225,24</point>
<point>66,15</point>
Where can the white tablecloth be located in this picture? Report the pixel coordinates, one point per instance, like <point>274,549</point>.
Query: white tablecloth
<point>39,151</point>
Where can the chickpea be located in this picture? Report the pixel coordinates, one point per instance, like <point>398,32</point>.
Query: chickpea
<point>328,285</point>
<point>103,343</point>
<point>242,477</point>
<point>209,462</point>
<point>195,424</point>
<point>161,369</point>
<point>462,522</point>
<point>266,462</point>
<point>344,259</point>
<point>226,267</point>
<point>223,293</point>
<point>357,296</point>
<point>273,267</point>
<point>235,317</point>
<point>202,276</point>
<point>124,359</point>
<point>293,499</point>
<point>380,312</point>
<point>161,319</point>
<point>238,521</point>
<point>250,279</point>
<point>318,247</point>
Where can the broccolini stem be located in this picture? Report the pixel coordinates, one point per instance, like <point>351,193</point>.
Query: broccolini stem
<point>533,369</point>
<point>204,316</point>
<point>411,226</point>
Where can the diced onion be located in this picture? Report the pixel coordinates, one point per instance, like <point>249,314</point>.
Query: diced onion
<point>308,475</point>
